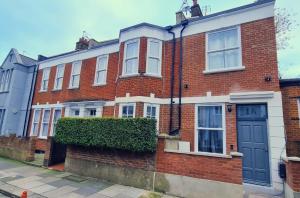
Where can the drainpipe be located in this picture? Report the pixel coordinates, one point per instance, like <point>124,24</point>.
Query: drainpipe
<point>25,127</point>
<point>177,131</point>
<point>169,29</point>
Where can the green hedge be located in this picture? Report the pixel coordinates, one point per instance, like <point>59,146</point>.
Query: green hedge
<point>137,135</point>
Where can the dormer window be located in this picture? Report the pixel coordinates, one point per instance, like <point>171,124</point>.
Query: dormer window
<point>223,50</point>
<point>45,79</point>
<point>154,51</point>
<point>131,57</point>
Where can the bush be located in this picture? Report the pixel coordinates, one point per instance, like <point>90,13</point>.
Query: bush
<point>137,135</point>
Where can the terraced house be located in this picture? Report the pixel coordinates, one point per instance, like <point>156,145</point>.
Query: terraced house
<point>211,82</point>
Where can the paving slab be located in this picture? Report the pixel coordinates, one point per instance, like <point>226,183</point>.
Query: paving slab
<point>113,190</point>
<point>59,192</point>
<point>24,180</point>
<point>42,189</point>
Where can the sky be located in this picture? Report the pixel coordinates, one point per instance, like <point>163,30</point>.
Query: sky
<point>51,27</point>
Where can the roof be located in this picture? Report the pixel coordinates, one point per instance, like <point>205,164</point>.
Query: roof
<point>20,59</point>
<point>27,61</point>
<point>194,19</point>
<point>289,82</point>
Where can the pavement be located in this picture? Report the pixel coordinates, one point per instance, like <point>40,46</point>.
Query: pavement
<point>16,177</point>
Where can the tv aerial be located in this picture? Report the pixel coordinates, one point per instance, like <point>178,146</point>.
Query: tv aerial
<point>185,7</point>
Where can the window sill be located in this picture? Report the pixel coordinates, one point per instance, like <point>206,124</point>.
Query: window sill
<point>73,88</point>
<point>56,90</point>
<point>99,85</point>
<point>224,70</point>
<point>153,75</point>
<point>42,138</point>
<point>42,91</point>
<point>201,154</point>
<point>129,75</point>
<point>1,92</point>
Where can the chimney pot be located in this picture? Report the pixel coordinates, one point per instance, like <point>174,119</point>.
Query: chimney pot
<point>180,17</point>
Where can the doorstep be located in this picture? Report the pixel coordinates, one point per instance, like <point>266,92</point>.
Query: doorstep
<point>256,191</point>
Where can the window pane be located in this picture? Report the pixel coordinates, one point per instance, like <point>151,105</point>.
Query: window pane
<point>124,111</point>
<point>154,49</point>
<point>45,130</point>
<point>57,116</point>
<point>210,116</point>
<point>216,60</point>
<point>46,116</point>
<point>130,111</point>
<point>153,112</point>
<point>232,58</point>
<point>131,50</point>
<point>59,82</point>
<point>216,41</point>
<point>35,129</point>
<point>153,66</point>
<point>75,81</point>
<point>76,68</point>
<point>231,38</point>
<point>101,77</point>
<point>102,63</point>
<point>148,112</point>
<point>210,141</point>
<point>131,66</point>
<point>37,115</point>
<point>60,71</point>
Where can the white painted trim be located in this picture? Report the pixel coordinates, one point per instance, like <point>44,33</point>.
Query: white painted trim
<point>157,106</point>
<point>71,75</point>
<point>223,127</point>
<point>200,154</point>
<point>52,119</point>
<point>251,95</point>
<point>137,40</point>
<point>142,31</point>
<point>127,104</point>
<point>106,67</point>
<point>42,123</point>
<point>149,40</point>
<point>239,47</point>
<point>56,77</point>
<point>79,55</point>
<point>47,106</point>
<point>230,69</point>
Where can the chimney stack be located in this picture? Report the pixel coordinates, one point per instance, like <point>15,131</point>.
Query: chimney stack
<point>196,10</point>
<point>180,17</point>
<point>82,44</point>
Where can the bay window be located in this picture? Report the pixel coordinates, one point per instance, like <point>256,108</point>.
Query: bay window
<point>59,77</point>
<point>131,57</point>
<point>151,111</point>
<point>75,75</point>
<point>127,111</point>
<point>154,51</point>
<point>223,49</point>
<point>56,117</point>
<point>101,70</point>
<point>45,79</point>
<point>35,122</point>
<point>210,130</point>
<point>45,123</point>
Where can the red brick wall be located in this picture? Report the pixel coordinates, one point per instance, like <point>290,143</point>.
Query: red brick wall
<point>291,119</point>
<point>293,175</point>
<point>41,145</point>
<point>116,158</point>
<point>211,168</point>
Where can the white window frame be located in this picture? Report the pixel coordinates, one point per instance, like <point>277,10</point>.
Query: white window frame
<point>41,136</point>
<point>72,109</point>
<point>126,104</point>
<point>125,59</point>
<point>72,75</point>
<point>33,122</point>
<point>157,106</point>
<point>2,81</point>
<point>57,77</point>
<point>101,70</point>
<point>7,80</point>
<point>198,128</point>
<point>52,119</point>
<point>149,40</point>
<point>237,67</point>
<point>45,78</point>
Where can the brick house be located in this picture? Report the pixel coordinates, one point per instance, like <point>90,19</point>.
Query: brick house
<point>290,89</point>
<point>216,97</point>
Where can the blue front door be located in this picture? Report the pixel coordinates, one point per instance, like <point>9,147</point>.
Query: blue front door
<point>253,143</point>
